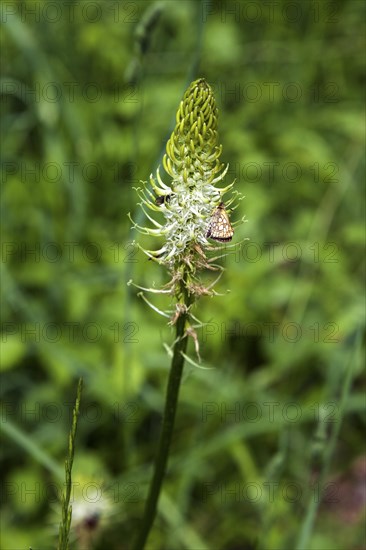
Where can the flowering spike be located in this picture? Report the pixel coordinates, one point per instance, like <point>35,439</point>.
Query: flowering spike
<point>194,212</point>
<point>191,204</point>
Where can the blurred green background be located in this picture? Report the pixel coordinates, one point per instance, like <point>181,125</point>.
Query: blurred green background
<point>269,449</point>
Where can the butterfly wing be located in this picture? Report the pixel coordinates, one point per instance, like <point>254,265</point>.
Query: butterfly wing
<point>220,228</point>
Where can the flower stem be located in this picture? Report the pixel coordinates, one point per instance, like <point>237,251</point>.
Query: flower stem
<point>161,459</point>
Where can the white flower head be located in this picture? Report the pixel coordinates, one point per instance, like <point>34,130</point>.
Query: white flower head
<point>191,204</point>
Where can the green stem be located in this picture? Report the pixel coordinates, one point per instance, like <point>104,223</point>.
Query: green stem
<point>64,528</point>
<point>161,459</point>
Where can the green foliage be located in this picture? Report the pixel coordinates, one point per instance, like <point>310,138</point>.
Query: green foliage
<point>87,106</point>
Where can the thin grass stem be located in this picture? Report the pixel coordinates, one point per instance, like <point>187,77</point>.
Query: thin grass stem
<point>64,530</point>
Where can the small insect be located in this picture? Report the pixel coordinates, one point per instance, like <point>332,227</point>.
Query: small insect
<point>220,228</point>
<point>161,200</point>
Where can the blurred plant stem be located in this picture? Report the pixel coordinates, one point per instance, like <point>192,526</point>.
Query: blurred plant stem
<point>328,448</point>
<point>64,530</point>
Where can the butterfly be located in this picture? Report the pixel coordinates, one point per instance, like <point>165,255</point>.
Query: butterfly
<point>220,228</point>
